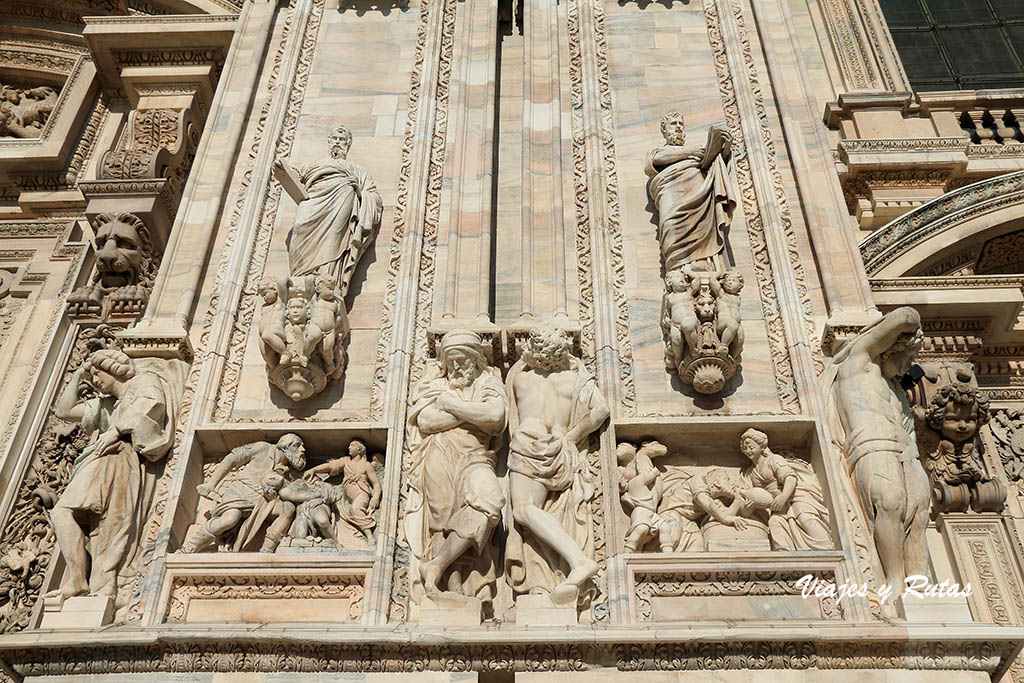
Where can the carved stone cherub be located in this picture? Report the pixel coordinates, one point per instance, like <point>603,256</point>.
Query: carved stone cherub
<point>351,503</point>
<point>700,317</point>
<point>947,433</point>
<point>303,325</point>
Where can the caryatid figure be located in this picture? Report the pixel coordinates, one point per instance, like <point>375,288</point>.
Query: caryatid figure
<point>336,222</point>
<point>693,192</point>
<point>871,410</point>
<point>456,415</point>
<point>554,406</point>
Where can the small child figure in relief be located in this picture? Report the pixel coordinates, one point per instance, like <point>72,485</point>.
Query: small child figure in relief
<point>729,331</point>
<point>679,317</point>
<point>272,332</point>
<point>322,329</point>
<point>641,491</point>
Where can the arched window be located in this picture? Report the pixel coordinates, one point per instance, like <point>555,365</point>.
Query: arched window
<point>959,44</point>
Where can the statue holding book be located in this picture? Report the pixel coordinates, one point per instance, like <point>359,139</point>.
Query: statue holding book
<point>305,322</point>
<point>693,192</point>
<point>701,311</point>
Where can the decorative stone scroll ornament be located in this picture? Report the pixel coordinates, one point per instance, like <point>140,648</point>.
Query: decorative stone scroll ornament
<point>947,419</point>
<point>457,413</point>
<point>159,143</point>
<point>245,488</point>
<point>337,218</point>
<point>554,407</point>
<point>25,111</point>
<point>700,315</point>
<point>341,513</point>
<point>303,328</point>
<point>870,411</point>
<point>99,516</point>
<point>126,266</point>
<point>1008,429</point>
<point>695,196</point>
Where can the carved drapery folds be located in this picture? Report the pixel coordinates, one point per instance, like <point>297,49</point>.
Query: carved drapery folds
<point>949,413</point>
<point>126,265</point>
<point>304,324</point>
<point>693,191</point>
<point>263,498</point>
<point>454,498</point>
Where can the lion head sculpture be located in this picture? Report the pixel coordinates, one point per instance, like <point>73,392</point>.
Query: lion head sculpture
<point>124,251</point>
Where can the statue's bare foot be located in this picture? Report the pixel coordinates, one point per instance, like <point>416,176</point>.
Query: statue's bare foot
<point>63,593</point>
<point>431,574</point>
<point>572,584</point>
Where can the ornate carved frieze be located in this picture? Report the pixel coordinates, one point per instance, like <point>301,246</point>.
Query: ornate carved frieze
<point>194,651</point>
<point>197,598</point>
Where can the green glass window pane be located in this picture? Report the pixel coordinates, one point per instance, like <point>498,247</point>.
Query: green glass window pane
<point>903,13</point>
<point>920,55</point>
<point>1008,9</point>
<point>946,12</point>
<point>1016,34</point>
<point>978,51</point>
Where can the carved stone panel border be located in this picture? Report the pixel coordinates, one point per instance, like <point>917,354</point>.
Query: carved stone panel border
<point>281,587</point>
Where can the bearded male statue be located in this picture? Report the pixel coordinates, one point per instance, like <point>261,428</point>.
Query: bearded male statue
<point>870,408</point>
<point>455,500</point>
<point>693,192</point>
<point>339,213</point>
<point>554,406</point>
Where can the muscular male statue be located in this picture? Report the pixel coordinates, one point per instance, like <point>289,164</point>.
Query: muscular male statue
<point>554,405</point>
<point>874,413</point>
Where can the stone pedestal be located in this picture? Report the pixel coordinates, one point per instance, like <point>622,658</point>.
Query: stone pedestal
<point>85,612</point>
<point>450,609</point>
<point>539,610</point>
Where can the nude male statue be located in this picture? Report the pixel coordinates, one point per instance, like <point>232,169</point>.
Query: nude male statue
<point>554,405</point>
<point>875,414</point>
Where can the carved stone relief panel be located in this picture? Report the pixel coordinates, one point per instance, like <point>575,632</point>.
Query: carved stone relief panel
<point>262,497</point>
<point>775,502</point>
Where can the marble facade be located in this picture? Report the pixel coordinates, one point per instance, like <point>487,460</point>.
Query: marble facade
<point>461,341</point>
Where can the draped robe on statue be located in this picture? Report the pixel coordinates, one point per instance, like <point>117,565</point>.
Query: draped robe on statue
<point>335,225</point>
<point>452,484</point>
<point>115,487</point>
<point>530,564</point>
<point>695,199</point>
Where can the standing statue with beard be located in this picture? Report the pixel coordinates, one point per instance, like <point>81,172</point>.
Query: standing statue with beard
<point>869,405</point>
<point>554,406</point>
<point>339,213</point>
<point>455,500</point>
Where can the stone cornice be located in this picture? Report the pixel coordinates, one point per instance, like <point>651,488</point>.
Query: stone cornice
<point>297,647</point>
